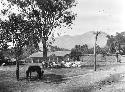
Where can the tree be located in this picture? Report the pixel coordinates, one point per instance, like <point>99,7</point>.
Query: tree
<point>120,37</point>
<point>110,40</point>
<point>78,50</point>
<point>111,43</point>
<point>12,26</point>
<point>36,21</point>
<point>90,50</point>
<point>10,29</point>
<point>114,43</point>
<point>46,15</point>
<point>1,57</point>
<point>75,54</point>
<point>84,49</point>
<point>98,49</point>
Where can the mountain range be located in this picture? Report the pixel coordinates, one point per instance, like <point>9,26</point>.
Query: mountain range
<point>69,42</point>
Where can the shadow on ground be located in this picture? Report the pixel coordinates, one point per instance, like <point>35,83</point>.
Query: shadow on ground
<point>4,89</point>
<point>53,78</point>
<point>48,78</point>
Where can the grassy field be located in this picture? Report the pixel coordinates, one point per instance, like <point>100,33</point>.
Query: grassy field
<point>8,82</point>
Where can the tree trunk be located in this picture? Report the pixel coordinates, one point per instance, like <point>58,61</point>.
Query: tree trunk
<point>17,63</point>
<point>44,50</point>
<point>18,55</point>
<point>17,69</point>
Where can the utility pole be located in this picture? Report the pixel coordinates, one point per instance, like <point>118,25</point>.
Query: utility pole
<point>117,48</point>
<point>96,36</point>
<point>95,56</point>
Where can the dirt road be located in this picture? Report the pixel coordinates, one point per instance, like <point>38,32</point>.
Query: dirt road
<point>111,80</point>
<point>75,80</point>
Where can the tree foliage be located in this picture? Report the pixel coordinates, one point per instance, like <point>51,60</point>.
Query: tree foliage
<point>36,21</point>
<point>114,42</point>
<point>79,50</point>
<point>9,29</point>
<point>56,48</point>
<point>46,15</point>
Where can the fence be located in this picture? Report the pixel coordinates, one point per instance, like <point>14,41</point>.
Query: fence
<point>89,59</point>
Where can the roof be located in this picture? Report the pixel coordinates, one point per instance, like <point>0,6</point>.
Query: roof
<point>56,53</point>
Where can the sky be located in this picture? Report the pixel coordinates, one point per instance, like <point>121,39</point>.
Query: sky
<point>96,15</point>
<point>99,15</point>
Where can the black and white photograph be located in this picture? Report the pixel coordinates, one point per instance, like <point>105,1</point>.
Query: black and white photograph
<point>62,45</point>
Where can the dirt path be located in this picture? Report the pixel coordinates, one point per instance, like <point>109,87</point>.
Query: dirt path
<point>105,79</point>
<point>111,80</point>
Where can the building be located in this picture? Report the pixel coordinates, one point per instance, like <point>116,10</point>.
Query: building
<point>51,56</point>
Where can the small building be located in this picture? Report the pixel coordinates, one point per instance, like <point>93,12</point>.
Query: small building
<point>51,56</point>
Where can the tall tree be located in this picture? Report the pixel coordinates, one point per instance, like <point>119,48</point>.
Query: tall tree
<point>111,43</point>
<point>36,20</point>
<point>46,15</point>
<point>14,30</point>
<point>114,42</point>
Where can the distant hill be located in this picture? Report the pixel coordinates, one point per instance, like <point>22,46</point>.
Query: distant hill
<point>68,42</point>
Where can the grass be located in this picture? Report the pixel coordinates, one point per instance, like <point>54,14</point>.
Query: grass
<point>8,82</point>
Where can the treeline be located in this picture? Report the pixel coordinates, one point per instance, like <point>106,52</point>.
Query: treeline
<point>56,48</point>
<point>115,44</point>
<point>79,50</point>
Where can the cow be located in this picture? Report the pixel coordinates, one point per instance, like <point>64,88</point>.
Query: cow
<point>34,69</point>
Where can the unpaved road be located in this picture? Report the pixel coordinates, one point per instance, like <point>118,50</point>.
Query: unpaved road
<point>103,80</point>
<point>111,80</point>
